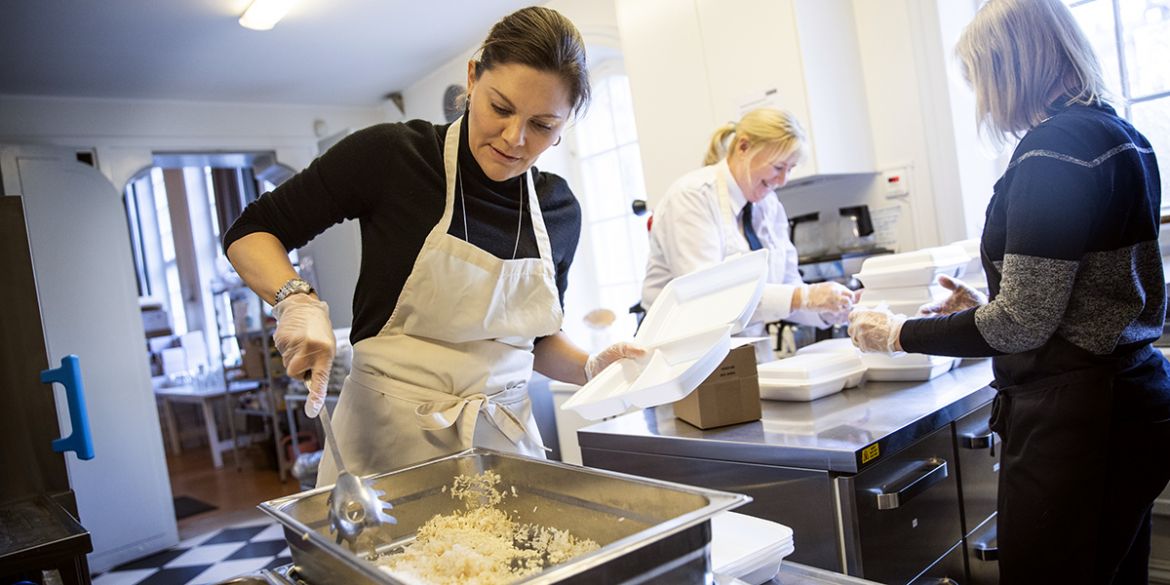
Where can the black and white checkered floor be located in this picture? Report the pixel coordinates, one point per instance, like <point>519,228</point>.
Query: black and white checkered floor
<point>209,558</point>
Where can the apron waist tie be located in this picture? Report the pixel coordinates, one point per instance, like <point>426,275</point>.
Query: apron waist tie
<point>442,414</point>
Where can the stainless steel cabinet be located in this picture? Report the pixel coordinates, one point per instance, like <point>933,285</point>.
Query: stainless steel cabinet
<point>798,498</point>
<point>948,570</point>
<point>977,450</point>
<point>983,554</point>
<point>905,511</point>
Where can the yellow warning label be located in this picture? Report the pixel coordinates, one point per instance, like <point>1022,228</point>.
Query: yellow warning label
<point>870,453</point>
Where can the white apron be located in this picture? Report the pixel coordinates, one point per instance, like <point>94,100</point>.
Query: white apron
<point>450,369</point>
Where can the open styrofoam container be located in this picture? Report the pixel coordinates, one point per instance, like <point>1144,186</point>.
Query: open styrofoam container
<point>809,376</point>
<point>687,333</point>
<point>748,548</point>
<point>908,269</point>
<point>906,367</point>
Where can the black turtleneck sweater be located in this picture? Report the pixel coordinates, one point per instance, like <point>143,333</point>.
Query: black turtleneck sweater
<point>390,178</point>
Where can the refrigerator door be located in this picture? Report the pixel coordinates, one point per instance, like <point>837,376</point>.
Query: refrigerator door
<point>80,247</point>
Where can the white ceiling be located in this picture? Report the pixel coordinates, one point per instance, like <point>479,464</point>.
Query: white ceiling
<point>324,52</point>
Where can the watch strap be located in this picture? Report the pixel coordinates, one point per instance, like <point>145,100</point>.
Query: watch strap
<point>293,286</point>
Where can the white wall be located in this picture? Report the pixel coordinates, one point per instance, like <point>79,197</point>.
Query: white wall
<point>922,118</point>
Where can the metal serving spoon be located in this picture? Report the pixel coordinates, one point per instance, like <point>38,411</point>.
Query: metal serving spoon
<point>354,504</point>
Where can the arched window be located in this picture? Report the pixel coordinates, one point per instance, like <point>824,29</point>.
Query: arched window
<point>610,170</point>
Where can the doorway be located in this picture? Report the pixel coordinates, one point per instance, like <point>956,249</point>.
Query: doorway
<point>216,379</point>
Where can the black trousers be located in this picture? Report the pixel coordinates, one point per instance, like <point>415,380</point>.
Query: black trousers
<point>1081,465</point>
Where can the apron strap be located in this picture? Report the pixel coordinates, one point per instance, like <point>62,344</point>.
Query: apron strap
<point>442,414</point>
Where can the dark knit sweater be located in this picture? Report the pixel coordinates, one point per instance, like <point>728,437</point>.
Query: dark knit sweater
<point>390,178</point>
<point>1070,248</point>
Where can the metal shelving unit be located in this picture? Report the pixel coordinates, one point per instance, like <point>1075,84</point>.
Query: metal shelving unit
<point>269,387</point>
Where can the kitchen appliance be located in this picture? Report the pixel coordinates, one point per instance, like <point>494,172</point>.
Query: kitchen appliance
<point>69,289</point>
<point>805,232</point>
<point>649,530</point>
<point>855,229</point>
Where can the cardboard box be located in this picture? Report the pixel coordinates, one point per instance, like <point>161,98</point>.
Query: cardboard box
<point>729,396</point>
<point>156,322</point>
<point>252,357</point>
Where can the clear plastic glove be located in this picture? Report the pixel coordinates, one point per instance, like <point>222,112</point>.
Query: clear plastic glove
<point>876,330</point>
<point>601,360</point>
<point>824,297</point>
<point>962,297</point>
<point>304,338</point>
<point>835,318</point>
<point>841,317</point>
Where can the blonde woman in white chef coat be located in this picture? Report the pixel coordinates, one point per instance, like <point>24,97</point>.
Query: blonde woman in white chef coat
<point>730,207</point>
<point>465,255</point>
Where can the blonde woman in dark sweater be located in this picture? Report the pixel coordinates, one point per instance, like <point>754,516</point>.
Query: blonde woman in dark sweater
<point>1077,296</point>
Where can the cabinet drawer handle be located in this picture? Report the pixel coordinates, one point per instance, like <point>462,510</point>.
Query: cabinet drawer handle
<point>936,473</point>
<point>986,552</point>
<point>978,441</point>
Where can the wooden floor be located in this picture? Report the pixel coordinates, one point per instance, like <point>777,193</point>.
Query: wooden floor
<point>234,493</point>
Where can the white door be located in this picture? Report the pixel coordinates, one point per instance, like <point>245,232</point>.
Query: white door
<point>89,306</point>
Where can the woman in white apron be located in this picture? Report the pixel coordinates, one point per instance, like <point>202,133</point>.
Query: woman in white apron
<point>448,368</point>
<point>730,207</point>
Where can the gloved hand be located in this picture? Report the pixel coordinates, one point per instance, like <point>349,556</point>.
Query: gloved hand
<point>835,318</point>
<point>600,360</point>
<point>304,338</point>
<point>876,330</point>
<point>962,297</point>
<point>823,297</point>
<point>841,317</point>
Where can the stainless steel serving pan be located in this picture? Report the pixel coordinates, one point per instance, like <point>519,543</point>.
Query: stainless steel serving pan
<point>649,530</point>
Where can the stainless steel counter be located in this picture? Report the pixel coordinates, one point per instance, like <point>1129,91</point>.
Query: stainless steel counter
<point>843,433</point>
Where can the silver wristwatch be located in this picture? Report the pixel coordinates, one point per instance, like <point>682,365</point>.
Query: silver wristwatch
<point>292,287</point>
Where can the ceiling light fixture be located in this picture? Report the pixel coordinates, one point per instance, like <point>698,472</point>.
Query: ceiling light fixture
<point>264,14</point>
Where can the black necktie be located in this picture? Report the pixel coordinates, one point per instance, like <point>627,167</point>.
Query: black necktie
<point>749,232</point>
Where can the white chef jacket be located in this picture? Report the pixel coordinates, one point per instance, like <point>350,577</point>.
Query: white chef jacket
<point>688,234</point>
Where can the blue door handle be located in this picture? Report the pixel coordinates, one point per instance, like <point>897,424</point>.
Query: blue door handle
<point>69,376</point>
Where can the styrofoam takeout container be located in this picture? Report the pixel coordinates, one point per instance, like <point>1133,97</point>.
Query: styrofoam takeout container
<point>748,548</point>
<point>975,263</point>
<point>906,367</point>
<point>909,269</point>
<point>837,345</point>
<point>809,376</point>
<point>687,332</point>
<point>911,294</point>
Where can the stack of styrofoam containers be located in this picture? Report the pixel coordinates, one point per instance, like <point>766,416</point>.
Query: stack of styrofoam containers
<point>906,281</point>
<point>903,283</point>
<point>747,548</point>
<point>973,274</point>
<point>803,378</point>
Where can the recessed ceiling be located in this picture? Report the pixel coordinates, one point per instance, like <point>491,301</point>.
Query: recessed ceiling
<point>324,52</point>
